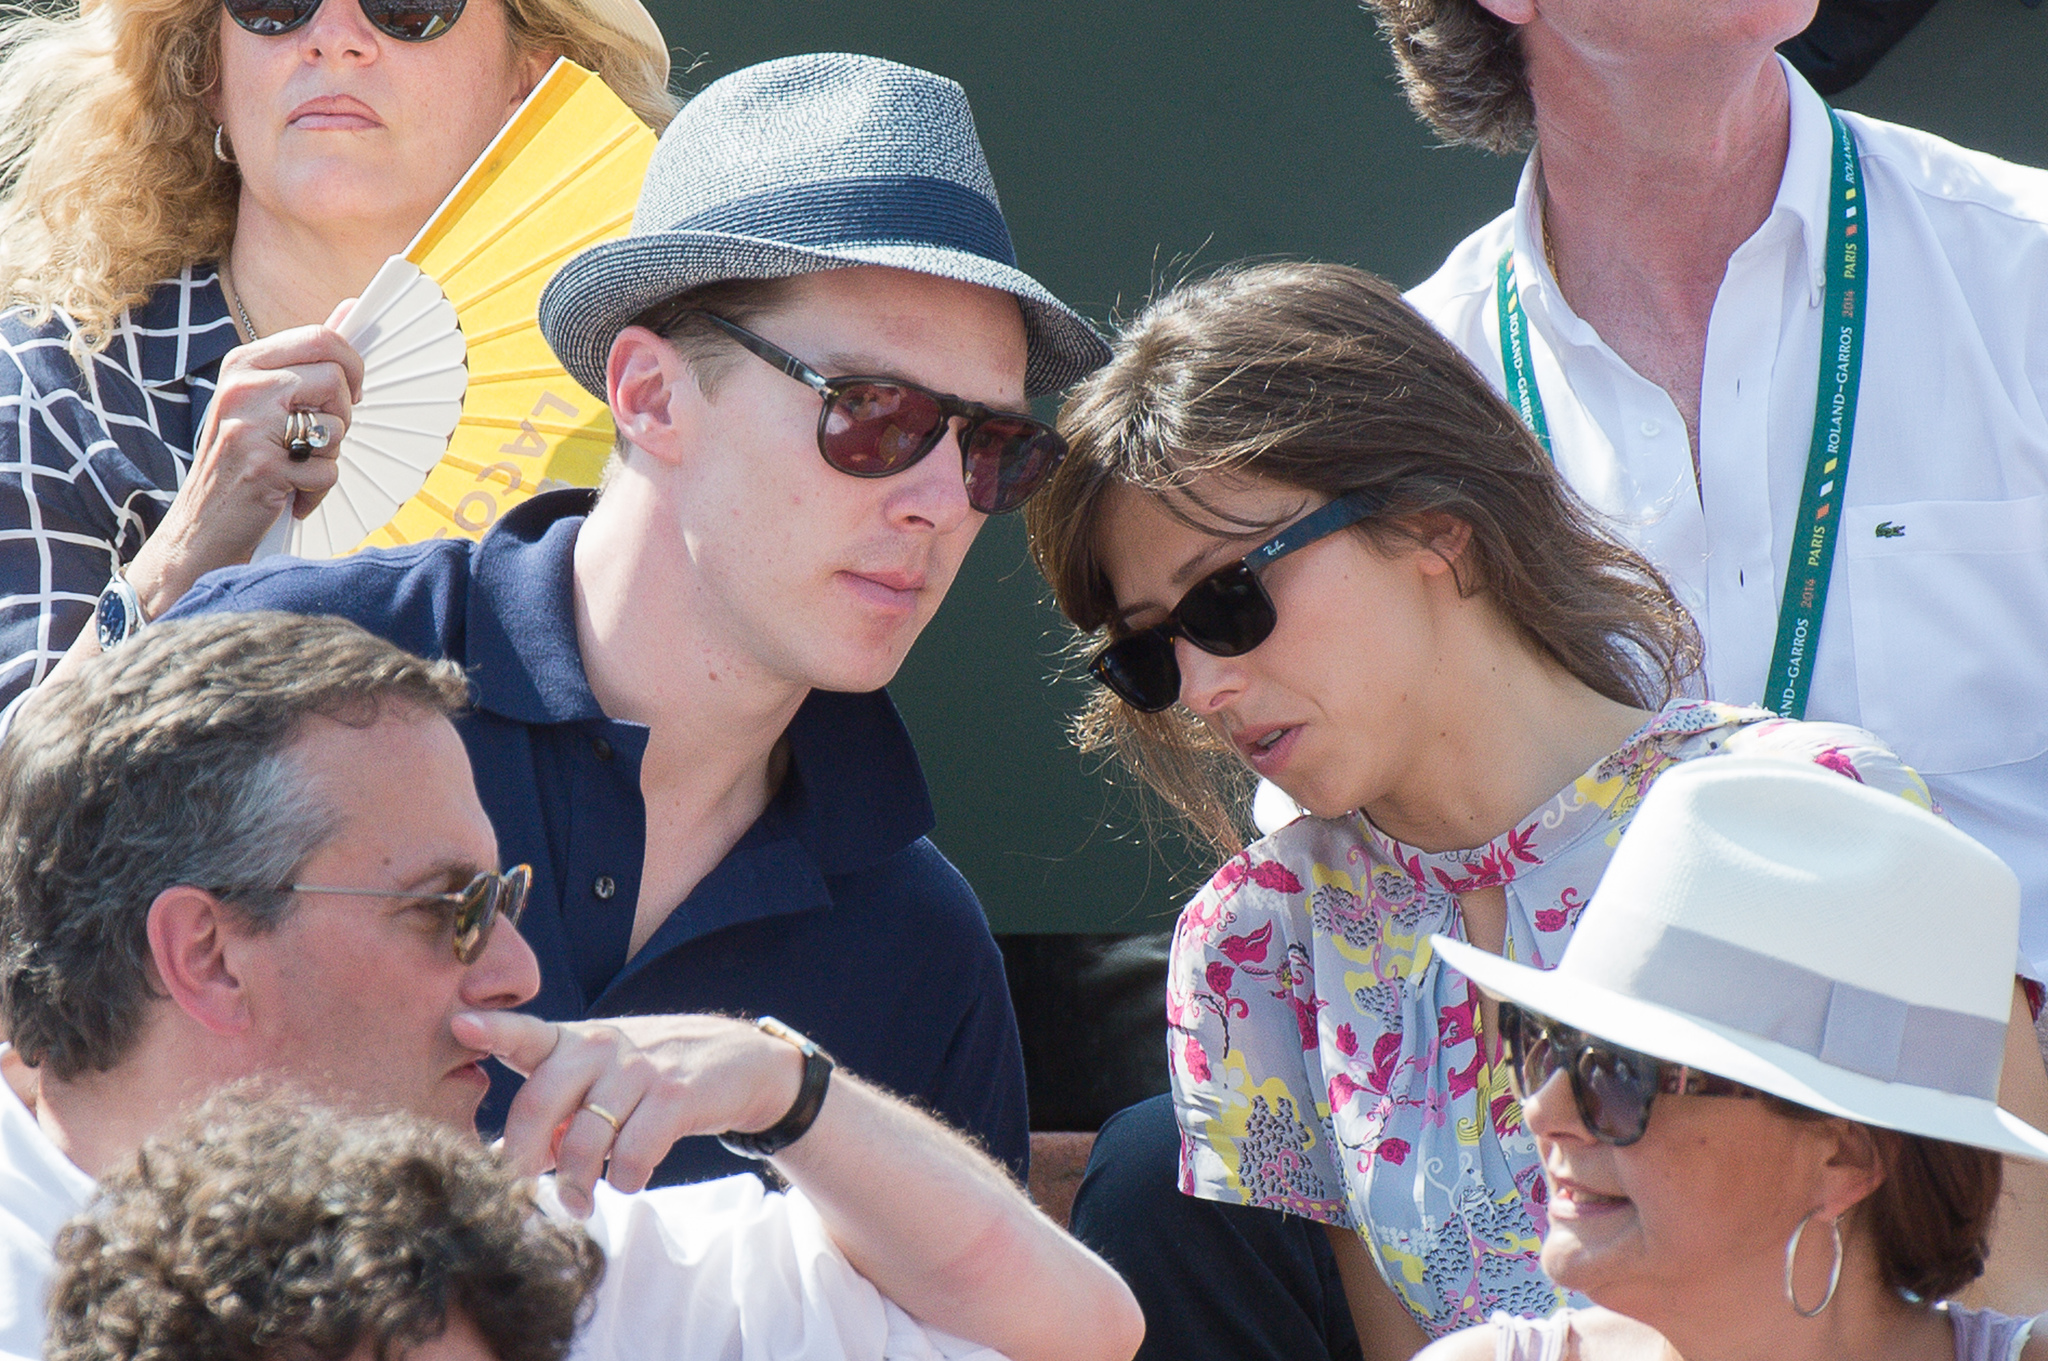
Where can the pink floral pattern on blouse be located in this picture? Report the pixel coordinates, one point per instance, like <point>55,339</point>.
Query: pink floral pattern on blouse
<point>1326,1063</point>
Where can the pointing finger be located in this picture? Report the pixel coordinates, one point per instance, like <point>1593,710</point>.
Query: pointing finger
<point>520,1041</point>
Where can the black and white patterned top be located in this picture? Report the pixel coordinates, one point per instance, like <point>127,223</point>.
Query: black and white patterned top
<point>90,460</point>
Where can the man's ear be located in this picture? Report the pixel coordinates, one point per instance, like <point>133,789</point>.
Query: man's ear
<point>653,394</point>
<point>189,935</point>
<point>1516,12</point>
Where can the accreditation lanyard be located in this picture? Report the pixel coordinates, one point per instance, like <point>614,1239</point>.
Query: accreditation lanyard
<point>1834,420</point>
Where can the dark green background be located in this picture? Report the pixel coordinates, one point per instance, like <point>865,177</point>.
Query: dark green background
<point>1132,141</point>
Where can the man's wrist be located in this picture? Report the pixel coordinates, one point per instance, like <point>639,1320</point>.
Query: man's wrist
<point>802,1112</point>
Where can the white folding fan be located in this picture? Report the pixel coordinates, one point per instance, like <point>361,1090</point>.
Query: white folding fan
<point>465,411</point>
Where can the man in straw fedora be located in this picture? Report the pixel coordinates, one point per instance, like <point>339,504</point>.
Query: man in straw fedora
<point>249,847</point>
<point>1773,1080</point>
<point>818,351</point>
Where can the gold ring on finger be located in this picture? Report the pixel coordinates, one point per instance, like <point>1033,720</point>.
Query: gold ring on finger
<point>603,1114</point>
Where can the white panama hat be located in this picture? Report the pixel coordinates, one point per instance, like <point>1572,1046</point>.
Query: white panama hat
<point>1788,928</point>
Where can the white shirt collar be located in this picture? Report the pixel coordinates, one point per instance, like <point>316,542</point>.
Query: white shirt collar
<point>1802,195</point>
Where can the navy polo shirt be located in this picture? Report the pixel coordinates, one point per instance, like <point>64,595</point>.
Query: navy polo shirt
<point>834,911</point>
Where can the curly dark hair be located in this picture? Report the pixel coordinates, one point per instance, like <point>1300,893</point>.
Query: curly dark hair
<point>270,1228</point>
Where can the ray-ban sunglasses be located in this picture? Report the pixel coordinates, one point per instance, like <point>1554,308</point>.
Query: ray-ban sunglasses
<point>876,427</point>
<point>1612,1086</point>
<point>470,911</point>
<point>409,21</point>
<point>1225,614</point>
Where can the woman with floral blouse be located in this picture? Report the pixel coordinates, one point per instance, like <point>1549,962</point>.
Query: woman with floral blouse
<point>1306,541</point>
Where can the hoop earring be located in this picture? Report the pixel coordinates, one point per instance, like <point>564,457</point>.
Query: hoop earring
<point>1834,1275</point>
<point>220,151</point>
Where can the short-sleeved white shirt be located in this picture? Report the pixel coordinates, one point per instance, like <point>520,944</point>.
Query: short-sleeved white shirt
<point>1936,633</point>
<point>719,1271</point>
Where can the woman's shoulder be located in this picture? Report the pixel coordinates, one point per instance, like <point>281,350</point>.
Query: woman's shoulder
<point>36,345</point>
<point>39,339</point>
<point>1844,748</point>
<point>1689,729</point>
<point>1987,1335</point>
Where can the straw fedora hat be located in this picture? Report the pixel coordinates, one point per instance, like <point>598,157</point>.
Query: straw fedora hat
<point>1777,924</point>
<point>806,164</point>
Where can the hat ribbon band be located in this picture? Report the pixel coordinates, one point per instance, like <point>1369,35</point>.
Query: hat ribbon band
<point>863,210</point>
<point>1836,1022</point>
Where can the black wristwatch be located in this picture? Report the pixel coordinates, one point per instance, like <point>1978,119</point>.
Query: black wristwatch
<point>810,1098</point>
<point>119,615</point>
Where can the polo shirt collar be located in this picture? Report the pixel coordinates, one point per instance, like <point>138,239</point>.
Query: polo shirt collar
<point>855,793</point>
<point>523,659</point>
<point>1802,197</point>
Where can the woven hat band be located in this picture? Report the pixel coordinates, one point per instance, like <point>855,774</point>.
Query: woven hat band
<point>865,210</point>
<point>1836,1022</point>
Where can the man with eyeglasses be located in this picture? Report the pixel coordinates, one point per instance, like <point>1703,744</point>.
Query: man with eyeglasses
<point>249,846</point>
<point>818,352</point>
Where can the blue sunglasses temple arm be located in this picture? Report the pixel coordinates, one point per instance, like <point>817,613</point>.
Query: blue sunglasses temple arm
<point>1341,513</point>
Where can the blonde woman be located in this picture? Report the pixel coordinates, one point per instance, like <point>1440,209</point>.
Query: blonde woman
<point>189,189</point>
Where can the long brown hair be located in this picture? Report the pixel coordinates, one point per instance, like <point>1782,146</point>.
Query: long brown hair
<point>1320,377</point>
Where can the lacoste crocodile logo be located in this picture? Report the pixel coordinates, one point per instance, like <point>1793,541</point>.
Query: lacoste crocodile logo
<point>1887,530</point>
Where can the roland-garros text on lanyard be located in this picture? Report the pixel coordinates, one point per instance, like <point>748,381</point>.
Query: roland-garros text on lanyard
<point>1834,420</point>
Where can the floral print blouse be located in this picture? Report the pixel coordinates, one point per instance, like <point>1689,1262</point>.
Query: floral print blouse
<point>1327,1064</point>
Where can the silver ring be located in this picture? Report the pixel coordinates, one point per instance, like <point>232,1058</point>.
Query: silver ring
<point>304,432</point>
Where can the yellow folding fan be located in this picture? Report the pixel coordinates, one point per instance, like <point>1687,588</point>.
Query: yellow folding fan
<point>449,436</point>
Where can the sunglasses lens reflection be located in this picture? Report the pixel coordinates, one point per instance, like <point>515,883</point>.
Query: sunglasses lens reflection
<point>414,21</point>
<point>1007,460</point>
<point>1616,1091</point>
<point>875,429</point>
<point>271,17</point>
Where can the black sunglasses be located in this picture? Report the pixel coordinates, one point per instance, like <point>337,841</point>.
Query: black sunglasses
<point>1226,614</point>
<point>1613,1087</point>
<point>411,21</point>
<point>875,427</point>
<point>474,908</point>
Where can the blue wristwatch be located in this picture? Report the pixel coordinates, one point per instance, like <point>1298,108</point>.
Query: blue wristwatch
<point>119,614</point>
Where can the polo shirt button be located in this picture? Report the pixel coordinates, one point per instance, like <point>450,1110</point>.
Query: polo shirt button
<point>1651,429</point>
<point>604,888</point>
<point>603,749</point>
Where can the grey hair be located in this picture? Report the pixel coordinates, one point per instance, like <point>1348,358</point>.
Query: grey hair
<point>169,761</point>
